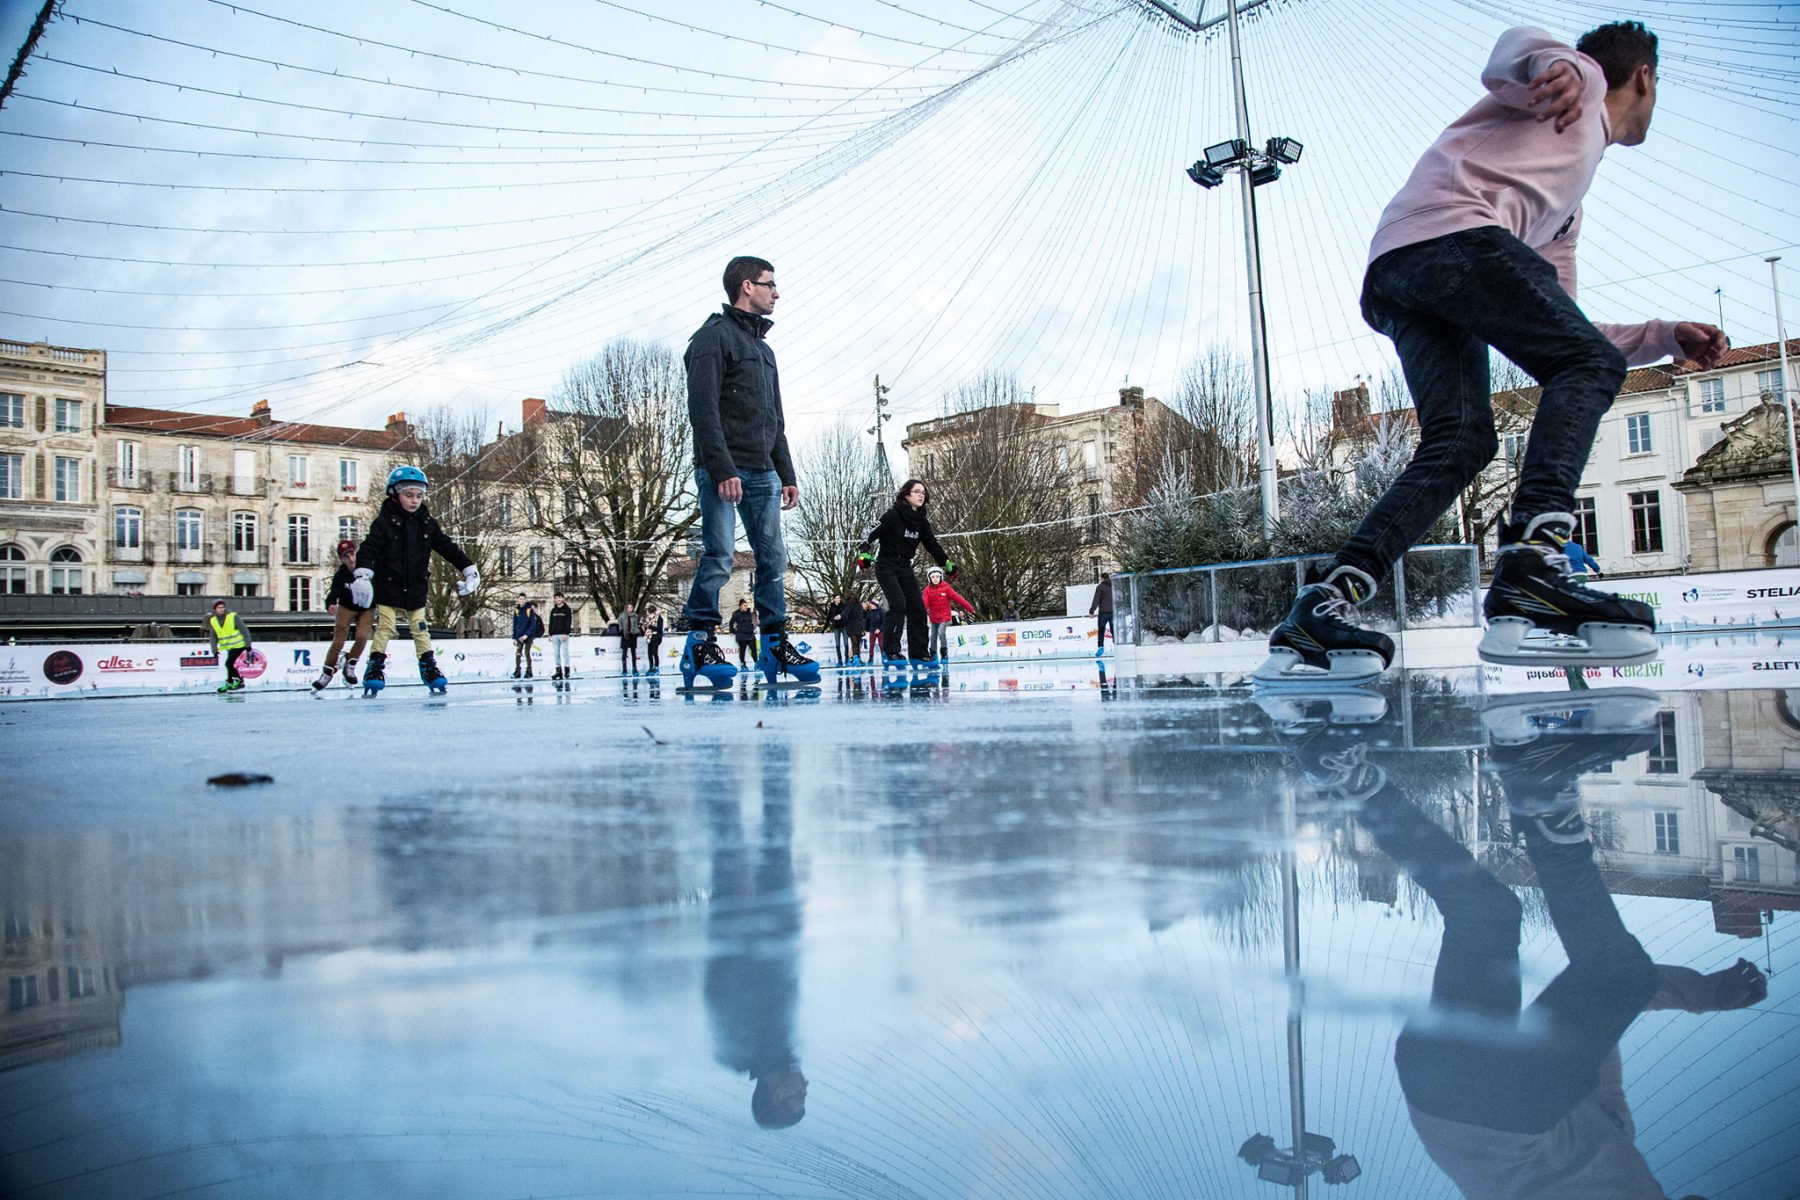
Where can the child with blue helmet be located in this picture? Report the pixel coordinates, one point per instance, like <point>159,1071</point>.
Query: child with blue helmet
<point>393,570</point>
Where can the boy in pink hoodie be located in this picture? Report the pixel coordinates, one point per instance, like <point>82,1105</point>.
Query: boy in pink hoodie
<point>1478,250</point>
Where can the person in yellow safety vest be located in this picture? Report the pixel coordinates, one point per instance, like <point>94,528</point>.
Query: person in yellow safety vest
<point>231,638</point>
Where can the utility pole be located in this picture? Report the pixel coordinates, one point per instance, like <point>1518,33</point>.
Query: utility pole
<point>884,481</point>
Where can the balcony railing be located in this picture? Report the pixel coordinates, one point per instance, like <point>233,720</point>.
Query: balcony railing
<point>120,479</point>
<point>205,552</point>
<point>241,486</point>
<point>250,557</point>
<point>192,485</point>
<point>141,553</point>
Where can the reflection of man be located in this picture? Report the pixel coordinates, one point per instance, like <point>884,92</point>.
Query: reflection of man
<point>753,933</point>
<point>1529,1102</point>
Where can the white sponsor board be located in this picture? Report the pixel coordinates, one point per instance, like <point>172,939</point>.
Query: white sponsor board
<point>1688,662</point>
<point>1764,599</point>
<point>1049,637</point>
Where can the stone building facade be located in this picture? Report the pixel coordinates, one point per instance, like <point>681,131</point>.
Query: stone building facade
<point>1740,496</point>
<point>52,400</point>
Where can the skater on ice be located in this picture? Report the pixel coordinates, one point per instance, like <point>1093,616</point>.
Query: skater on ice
<point>527,627</point>
<point>631,628</point>
<point>231,638</point>
<point>654,629</point>
<point>562,620</point>
<point>393,571</point>
<point>347,616</point>
<point>743,632</point>
<point>741,468</point>
<point>896,537</point>
<point>1478,250</point>
<point>941,602</point>
<point>1102,609</point>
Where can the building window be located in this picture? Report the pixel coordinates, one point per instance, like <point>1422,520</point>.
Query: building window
<point>1587,525</point>
<point>506,563</point>
<point>299,467</point>
<point>1646,523</point>
<point>531,510</point>
<point>1637,434</point>
<point>299,594</point>
<point>68,415</point>
<point>12,476</point>
<point>128,464</point>
<point>299,540</point>
<point>1768,386</point>
<point>189,459</point>
<point>1664,760</point>
<point>189,589</point>
<point>12,411</point>
<point>12,571</point>
<point>67,576</point>
<point>187,529</point>
<point>1093,525</point>
<point>243,533</point>
<point>347,476</point>
<point>503,510</point>
<point>21,992</point>
<point>1090,460</point>
<point>1512,449</point>
<point>128,528</point>
<point>81,982</point>
<point>569,569</point>
<point>930,464</point>
<point>1746,867</point>
<point>1668,832</point>
<point>68,480</point>
<point>245,589</point>
<point>534,563</point>
<point>349,530</point>
<point>1712,395</point>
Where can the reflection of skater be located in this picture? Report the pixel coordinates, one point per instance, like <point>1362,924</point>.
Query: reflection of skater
<point>527,627</point>
<point>1478,250</point>
<point>899,534</point>
<point>939,599</point>
<point>1103,606</point>
<point>742,468</point>
<point>231,638</point>
<point>562,622</point>
<point>752,984</point>
<point>653,638</point>
<point>393,571</point>
<point>346,615</point>
<point>631,627</point>
<point>1513,1101</point>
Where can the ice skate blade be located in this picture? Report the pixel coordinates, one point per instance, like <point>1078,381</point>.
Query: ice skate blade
<point>1515,641</point>
<point>783,685</point>
<point>1285,668</point>
<point>1519,720</point>
<point>1295,708</point>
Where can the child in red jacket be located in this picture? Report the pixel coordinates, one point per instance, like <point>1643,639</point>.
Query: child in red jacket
<point>939,596</point>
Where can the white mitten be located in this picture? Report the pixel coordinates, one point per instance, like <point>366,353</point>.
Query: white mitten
<point>362,588</point>
<point>471,580</point>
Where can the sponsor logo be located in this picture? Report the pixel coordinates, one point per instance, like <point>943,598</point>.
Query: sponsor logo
<point>1036,635</point>
<point>1649,670</point>
<point>119,662</point>
<point>12,674</point>
<point>1006,637</point>
<point>1697,670</point>
<point>1778,664</point>
<point>62,666</point>
<point>199,662</point>
<point>302,658</point>
<point>1650,598</point>
<point>1770,593</point>
<point>252,665</point>
<point>1691,595</point>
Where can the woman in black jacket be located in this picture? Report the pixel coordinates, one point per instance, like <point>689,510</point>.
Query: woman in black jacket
<point>899,534</point>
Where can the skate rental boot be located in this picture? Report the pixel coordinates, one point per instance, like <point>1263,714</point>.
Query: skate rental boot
<point>1538,613</point>
<point>430,675</point>
<point>779,657</point>
<point>701,658</point>
<point>349,672</point>
<point>1317,642</point>
<point>375,678</point>
<point>324,679</point>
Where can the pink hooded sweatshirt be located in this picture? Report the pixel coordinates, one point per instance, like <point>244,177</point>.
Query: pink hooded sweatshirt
<point>1498,164</point>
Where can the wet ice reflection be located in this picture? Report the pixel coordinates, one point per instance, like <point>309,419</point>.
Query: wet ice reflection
<point>1008,933</point>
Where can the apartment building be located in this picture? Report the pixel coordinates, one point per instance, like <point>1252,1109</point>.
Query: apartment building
<point>52,400</point>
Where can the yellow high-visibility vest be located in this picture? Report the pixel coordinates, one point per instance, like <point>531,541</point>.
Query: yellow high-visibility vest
<point>226,632</point>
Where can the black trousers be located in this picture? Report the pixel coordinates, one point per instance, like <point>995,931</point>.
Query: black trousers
<point>905,606</point>
<point>231,661</point>
<point>654,649</point>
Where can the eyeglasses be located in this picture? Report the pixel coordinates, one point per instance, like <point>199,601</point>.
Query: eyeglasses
<point>768,283</point>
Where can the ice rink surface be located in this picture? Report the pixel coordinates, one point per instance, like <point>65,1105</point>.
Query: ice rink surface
<point>1007,932</point>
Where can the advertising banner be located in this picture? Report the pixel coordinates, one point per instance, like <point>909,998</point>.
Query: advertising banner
<point>1764,599</point>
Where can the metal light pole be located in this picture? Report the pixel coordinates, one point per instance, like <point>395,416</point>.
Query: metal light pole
<point>1290,956</point>
<point>1787,391</point>
<point>1259,346</point>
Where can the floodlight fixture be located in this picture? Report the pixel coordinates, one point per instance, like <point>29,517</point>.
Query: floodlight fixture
<point>1283,149</point>
<point>1263,171</point>
<point>1224,154</point>
<point>1342,1169</point>
<point>1282,1169</point>
<point>1257,1148</point>
<point>1205,176</point>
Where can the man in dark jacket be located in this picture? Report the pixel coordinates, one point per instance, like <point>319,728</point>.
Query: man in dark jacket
<point>1103,606</point>
<point>853,627</point>
<point>562,623</point>
<point>742,467</point>
<point>527,628</point>
<point>393,573</point>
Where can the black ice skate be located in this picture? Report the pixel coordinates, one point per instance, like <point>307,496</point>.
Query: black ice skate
<point>1327,736</point>
<point>324,679</point>
<point>1318,644</point>
<point>430,675</point>
<point>375,678</point>
<point>1540,746</point>
<point>1538,613</point>
<point>349,672</point>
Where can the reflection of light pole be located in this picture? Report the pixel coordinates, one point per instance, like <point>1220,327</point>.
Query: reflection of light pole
<point>1257,167</point>
<point>1787,392</point>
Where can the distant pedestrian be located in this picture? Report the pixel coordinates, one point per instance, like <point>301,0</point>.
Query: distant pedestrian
<point>527,627</point>
<point>1102,607</point>
<point>230,638</point>
<point>1580,561</point>
<point>743,628</point>
<point>834,621</point>
<point>631,627</point>
<point>1012,611</point>
<point>941,602</point>
<point>562,624</point>
<point>874,618</point>
<point>654,628</point>
<point>347,615</point>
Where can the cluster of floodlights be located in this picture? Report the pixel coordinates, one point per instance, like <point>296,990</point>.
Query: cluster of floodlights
<point>1264,165</point>
<point>1317,1153</point>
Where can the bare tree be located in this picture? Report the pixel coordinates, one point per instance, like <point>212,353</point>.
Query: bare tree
<point>608,472</point>
<point>839,483</point>
<point>997,468</point>
<point>450,454</point>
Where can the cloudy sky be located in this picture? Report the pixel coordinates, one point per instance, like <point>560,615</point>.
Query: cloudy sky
<point>357,208</point>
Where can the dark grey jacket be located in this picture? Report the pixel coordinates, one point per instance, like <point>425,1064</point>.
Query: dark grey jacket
<point>734,398</point>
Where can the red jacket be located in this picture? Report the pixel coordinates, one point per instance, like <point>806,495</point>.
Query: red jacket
<point>938,599</point>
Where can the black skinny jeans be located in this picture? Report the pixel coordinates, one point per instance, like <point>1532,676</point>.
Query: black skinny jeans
<point>905,606</point>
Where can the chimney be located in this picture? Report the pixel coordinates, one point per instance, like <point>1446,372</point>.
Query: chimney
<point>1350,408</point>
<point>396,425</point>
<point>534,410</point>
<point>1131,397</point>
<point>259,412</point>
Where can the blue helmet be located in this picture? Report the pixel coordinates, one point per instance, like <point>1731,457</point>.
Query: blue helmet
<point>401,477</point>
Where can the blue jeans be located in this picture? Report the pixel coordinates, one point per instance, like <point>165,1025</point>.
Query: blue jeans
<point>761,510</point>
<point>1444,302</point>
